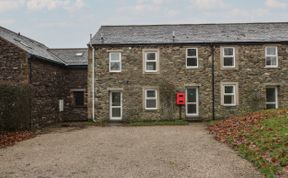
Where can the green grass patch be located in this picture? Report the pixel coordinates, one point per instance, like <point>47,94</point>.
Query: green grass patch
<point>260,137</point>
<point>158,122</point>
<point>267,145</point>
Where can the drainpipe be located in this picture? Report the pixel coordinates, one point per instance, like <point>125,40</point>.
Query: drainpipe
<point>213,79</point>
<point>93,79</point>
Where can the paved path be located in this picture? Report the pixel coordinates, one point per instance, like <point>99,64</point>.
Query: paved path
<point>165,151</point>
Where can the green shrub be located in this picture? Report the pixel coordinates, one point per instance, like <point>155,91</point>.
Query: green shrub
<point>15,104</point>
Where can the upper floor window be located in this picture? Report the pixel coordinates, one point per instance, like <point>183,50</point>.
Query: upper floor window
<point>192,58</point>
<point>151,99</point>
<point>151,61</point>
<point>271,56</point>
<point>228,60</point>
<point>229,94</point>
<point>115,62</point>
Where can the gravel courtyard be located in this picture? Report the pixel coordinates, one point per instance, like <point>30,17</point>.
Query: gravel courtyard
<point>165,151</point>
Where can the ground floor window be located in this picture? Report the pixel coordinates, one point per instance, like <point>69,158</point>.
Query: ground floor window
<point>229,94</point>
<point>151,99</point>
<point>271,98</point>
<point>192,101</point>
<point>78,98</point>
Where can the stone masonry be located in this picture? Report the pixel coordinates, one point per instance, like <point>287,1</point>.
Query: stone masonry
<point>50,81</point>
<point>250,74</point>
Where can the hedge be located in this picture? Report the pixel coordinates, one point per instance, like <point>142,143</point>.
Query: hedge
<point>15,108</point>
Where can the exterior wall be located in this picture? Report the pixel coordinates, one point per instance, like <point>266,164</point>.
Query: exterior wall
<point>252,78</point>
<point>250,74</point>
<point>13,64</point>
<point>46,81</point>
<point>49,83</point>
<point>76,79</point>
<point>173,76</point>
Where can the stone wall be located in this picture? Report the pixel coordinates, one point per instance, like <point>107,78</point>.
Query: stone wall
<point>47,83</point>
<point>251,75</point>
<point>75,79</point>
<point>252,78</point>
<point>13,64</point>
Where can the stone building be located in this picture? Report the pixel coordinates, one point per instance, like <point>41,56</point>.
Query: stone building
<point>135,72</point>
<point>57,77</point>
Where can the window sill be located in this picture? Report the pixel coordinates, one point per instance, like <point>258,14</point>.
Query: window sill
<point>192,116</point>
<point>115,71</point>
<point>225,105</point>
<point>151,72</point>
<point>151,109</point>
<point>271,67</point>
<point>192,68</point>
<point>229,68</point>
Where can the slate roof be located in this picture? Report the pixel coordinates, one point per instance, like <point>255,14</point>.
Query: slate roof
<point>73,56</point>
<point>30,46</point>
<point>192,33</point>
<point>39,50</point>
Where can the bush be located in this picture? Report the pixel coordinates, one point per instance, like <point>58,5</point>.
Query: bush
<point>15,108</point>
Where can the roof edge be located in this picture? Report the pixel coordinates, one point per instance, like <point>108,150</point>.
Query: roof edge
<point>236,23</point>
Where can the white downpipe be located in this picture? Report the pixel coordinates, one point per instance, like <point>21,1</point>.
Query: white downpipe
<point>93,80</point>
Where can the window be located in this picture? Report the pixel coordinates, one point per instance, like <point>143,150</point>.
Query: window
<point>228,57</point>
<point>271,98</point>
<point>192,58</point>
<point>151,61</point>
<point>78,97</point>
<point>115,62</point>
<point>271,56</point>
<point>192,101</point>
<point>229,95</point>
<point>151,99</point>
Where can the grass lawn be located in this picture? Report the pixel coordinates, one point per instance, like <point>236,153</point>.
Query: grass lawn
<point>261,138</point>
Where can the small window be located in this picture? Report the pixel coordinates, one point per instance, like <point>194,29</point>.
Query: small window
<point>192,58</point>
<point>271,56</point>
<point>229,95</point>
<point>272,98</point>
<point>115,62</point>
<point>151,61</point>
<point>151,99</point>
<point>78,97</point>
<point>228,57</point>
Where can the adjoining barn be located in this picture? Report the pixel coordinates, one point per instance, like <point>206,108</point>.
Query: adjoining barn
<point>57,77</point>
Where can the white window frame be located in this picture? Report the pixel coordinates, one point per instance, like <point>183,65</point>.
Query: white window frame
<point>223,56</point>
<point>276,97</point>
<point>269,55</point>
<point>150,98</point>
<point>120,61</point>
<point>156,52</point>
<point>192,57</point>
<point>235,93</point>
<point>197,102</point>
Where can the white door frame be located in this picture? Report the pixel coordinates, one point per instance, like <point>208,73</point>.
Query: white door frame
<point>197,102</point>
<point>275,95</point>
<point>111,107</point>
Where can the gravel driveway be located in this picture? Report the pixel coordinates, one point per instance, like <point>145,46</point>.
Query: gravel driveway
<point>165,151</point>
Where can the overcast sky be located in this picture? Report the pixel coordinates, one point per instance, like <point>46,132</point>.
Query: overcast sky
<point>68,23</point>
